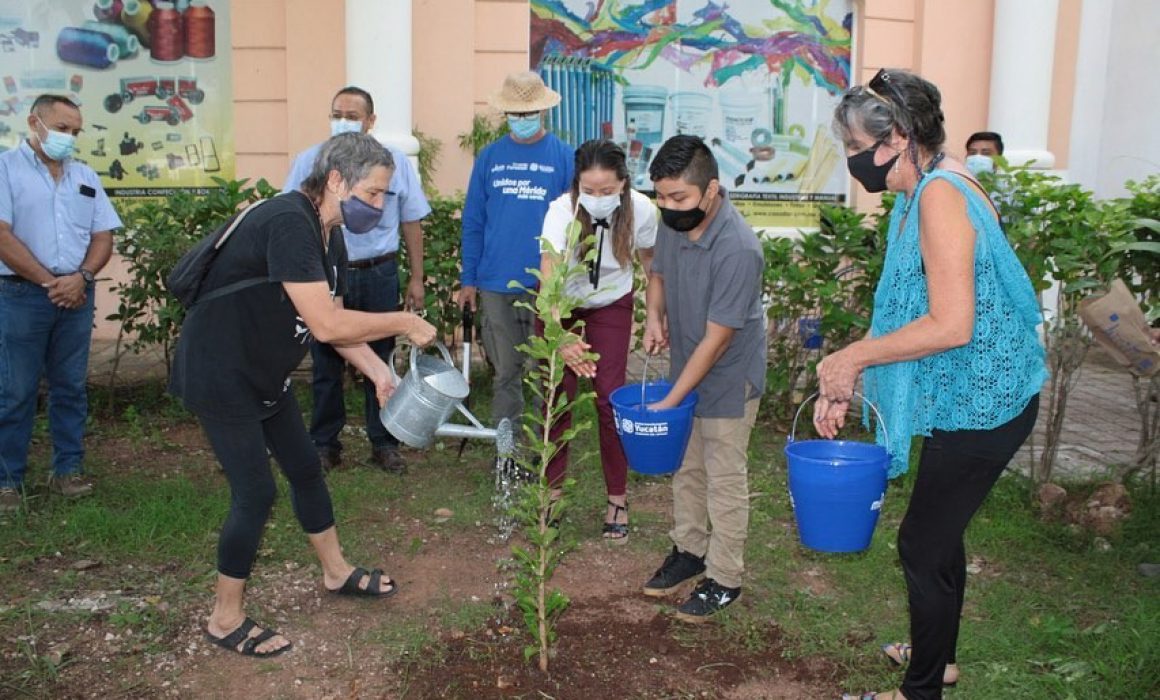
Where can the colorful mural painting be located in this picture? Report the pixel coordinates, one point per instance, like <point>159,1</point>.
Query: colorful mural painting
<point>152,77</point>
<point>757,79</point>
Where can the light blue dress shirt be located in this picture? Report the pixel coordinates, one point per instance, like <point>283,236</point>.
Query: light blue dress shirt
<point>404,202</point>
<point>55,220</point>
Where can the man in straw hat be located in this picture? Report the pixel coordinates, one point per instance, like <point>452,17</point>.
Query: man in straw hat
<point>513,182</point>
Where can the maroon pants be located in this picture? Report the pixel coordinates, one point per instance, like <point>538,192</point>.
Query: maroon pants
<point>608,330</point>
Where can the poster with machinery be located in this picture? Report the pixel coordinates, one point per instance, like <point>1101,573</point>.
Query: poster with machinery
<point>152,78</point>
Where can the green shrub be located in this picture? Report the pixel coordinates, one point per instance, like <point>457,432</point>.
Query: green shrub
<point>157,233</point>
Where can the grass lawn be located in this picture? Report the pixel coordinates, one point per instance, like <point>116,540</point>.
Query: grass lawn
<point>103,596</point>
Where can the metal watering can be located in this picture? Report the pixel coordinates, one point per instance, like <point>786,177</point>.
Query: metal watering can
<point>425,398</point>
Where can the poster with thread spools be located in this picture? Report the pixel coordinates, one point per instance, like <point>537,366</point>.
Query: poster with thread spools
<point>756,79</point>
<point>152,78</point>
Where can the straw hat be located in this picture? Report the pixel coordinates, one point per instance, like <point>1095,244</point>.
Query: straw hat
<point>524,92</point>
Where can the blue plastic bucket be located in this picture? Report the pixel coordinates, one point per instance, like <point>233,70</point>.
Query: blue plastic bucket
<point>654,441</point>
<point>836,488</point>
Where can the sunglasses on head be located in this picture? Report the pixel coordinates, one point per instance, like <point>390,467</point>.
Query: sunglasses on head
<point>882,86</point>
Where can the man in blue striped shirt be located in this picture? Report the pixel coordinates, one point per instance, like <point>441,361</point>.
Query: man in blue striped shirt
<point>55,235</point>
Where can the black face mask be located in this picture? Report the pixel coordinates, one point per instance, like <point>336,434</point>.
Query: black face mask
<point>683,220</point>
<point>863,169</point>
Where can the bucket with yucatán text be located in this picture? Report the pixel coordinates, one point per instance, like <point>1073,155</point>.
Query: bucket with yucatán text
<point>654,441</point>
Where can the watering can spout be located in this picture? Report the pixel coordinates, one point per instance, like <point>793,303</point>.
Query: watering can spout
<point>501,435</point>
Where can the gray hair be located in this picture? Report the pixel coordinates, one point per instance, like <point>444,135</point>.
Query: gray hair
<point>909,104</point>
<point>352,155</point>
<point>865,111</point>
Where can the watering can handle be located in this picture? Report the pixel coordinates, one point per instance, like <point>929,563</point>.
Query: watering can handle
<point>793,430</point>
<point>414,358</point>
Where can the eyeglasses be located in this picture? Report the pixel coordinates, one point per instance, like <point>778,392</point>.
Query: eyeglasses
<point>882,87</point>
<point>523,115</point>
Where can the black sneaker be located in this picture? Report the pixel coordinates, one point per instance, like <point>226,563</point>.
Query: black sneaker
<point>678,568</point>
<point>708,599</point>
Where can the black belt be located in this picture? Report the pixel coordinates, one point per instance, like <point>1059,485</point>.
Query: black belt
<point>17,278</point>
<point>369,262</point>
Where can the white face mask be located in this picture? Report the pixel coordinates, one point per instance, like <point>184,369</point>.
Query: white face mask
<point>345,126</point>
<point>600,207</point>
<point>979,164</point>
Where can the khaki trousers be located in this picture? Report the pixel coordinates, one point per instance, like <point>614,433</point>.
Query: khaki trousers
<point>711,495</point>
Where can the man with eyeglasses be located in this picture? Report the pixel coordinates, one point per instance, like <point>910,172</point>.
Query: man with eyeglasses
<point>56,228</point>
<point>513,182</point>
<point>372,285</point>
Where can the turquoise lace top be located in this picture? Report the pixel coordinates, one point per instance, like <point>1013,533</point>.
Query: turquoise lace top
<point>977,386</point>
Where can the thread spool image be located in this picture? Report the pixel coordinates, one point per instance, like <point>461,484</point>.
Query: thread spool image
<point>108,10</point>
<point>127,42</point>
<point>135,16</point>
<point>85,47</point>
<point>200,30</point>
<point>166,33</point>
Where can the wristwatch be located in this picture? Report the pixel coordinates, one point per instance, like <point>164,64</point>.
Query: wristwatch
<point>87,276</point>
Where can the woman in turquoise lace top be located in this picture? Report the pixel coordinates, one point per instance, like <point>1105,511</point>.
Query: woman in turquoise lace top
<point>953,353</point>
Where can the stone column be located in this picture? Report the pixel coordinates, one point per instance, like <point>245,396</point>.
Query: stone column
<point>378,60</point>
<point>1022,59</point>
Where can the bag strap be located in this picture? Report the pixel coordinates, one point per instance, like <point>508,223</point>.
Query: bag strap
<point>231,288</point>
<point>235,223</point>
<point>240,284</point>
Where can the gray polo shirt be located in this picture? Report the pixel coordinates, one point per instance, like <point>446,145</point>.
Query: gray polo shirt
<point>716,278</point>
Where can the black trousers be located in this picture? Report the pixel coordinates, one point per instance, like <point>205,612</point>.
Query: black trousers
<point>241,447</point>
<point>955,473</point>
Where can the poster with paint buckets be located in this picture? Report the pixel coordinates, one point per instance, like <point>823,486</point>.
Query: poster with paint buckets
<point>152,78</point>
<point>757,79</point>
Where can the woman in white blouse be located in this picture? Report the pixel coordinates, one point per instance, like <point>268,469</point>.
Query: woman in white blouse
<point>622,222</point>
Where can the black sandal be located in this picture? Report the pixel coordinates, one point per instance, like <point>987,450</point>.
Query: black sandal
<point>614,531</point>
<point>373,588</point>
<point>241,642</point>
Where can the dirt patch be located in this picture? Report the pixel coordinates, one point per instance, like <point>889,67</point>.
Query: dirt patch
<point>614,648</point>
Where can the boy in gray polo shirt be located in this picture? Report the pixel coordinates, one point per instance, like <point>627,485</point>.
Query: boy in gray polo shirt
<point>704,303</point>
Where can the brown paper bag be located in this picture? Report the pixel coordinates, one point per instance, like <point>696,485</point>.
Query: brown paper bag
<point>1118,324</point>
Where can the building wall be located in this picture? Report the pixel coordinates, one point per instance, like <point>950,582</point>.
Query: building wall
<point>1130,144</point>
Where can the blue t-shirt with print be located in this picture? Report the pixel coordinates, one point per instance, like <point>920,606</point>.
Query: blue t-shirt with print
<point>511,187</point>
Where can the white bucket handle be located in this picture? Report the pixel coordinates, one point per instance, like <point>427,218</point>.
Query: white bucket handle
<point>793,429</point>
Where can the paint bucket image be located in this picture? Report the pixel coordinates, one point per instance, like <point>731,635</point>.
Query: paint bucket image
<point>740,112</point>
<point>691,112</point>
<point>644,113</point>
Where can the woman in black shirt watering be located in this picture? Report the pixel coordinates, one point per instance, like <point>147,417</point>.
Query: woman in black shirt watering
<point>236,352</point>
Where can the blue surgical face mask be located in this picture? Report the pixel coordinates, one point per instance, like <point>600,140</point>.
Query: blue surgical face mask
<point>358,216</point>
<point>345,126</point>
<point>56,144</point>
<point>524,127</point>
<point>980,164</point>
